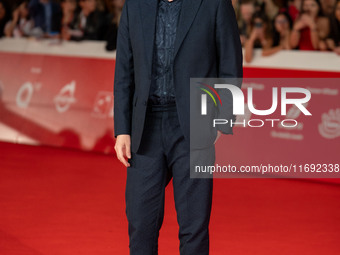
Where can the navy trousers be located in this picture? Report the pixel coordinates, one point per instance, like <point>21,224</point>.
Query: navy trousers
<point>164,154</point>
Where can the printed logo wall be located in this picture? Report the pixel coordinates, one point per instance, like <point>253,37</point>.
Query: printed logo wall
<point>304,138</point>
<point>57,100</point>
<point>281,123</point>
<point>66,100</point>
<point>313,142</point>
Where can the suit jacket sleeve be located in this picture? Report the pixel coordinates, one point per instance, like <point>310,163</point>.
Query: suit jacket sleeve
<point>229,59</point>
<point>124,78</point>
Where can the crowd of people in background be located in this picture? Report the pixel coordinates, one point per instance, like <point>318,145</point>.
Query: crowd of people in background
<point>74,20</point>
<point>282,25</point>
<point>272,25</point>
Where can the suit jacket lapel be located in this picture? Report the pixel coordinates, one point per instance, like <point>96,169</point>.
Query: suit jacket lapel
<point>148,11</point>
<point>187,15</point>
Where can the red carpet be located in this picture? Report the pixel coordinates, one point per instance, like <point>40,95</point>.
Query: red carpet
<point>61,202</point>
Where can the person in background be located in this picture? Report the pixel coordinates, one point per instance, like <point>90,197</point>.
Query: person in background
<point>235,4</point>
<point>333,41</point>
<point>68,9</point>
<point>20,25</point>
<point>294,9</point>
<point>47,17</point>
<point>89,24</point>
<point>323,23</point>
<point>269,7</point>
<point>310,28</point>
<point>247,10</point>
<point>102,6</point>
<point>281,34</point>
<point>116,8</point>
<point>260,36</point>
<point>4,16</point>
<point>327,7</point>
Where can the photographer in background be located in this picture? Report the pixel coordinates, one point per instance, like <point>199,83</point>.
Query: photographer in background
<point>281,34</point>
<point>311,28</point>
<point>260,36</point>
<point>20,25</point>
<point>89,24</point>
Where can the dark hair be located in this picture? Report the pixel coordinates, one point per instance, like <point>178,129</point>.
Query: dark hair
<point>335,6</point>
<point>4,20</point>
<point>335,26</point>
<point>7,10</point>
<point>320,13</point>
<point>262,16</point>
<point>259,15</point>
<point>276,34</point>
<point>18,3</point>
<point>246,2</point>
<point>17,6</point>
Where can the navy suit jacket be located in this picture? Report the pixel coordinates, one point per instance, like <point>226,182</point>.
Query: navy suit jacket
<point>207,44</point>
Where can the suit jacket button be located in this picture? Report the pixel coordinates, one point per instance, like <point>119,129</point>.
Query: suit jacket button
<point>146,102</point>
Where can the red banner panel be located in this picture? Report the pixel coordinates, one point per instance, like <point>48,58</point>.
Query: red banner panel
<point>57,100</point>
<point>62,95</point>
<point>293,139</point>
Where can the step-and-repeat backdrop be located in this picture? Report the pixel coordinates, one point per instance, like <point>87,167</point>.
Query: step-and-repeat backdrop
<point>60,94</point>
<point>57,94</point>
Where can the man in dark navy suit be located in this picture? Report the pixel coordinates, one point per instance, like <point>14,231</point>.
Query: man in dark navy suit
<point>161,45</point>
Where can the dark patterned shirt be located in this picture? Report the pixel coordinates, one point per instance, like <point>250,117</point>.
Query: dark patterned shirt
<point>162,87</point>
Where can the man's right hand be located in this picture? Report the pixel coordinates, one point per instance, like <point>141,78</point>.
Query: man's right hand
<point>123,149</point>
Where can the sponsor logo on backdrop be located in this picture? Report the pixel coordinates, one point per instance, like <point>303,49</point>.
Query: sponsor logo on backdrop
<point>103,105</point>
<point>36,70</point>
<point>329,128</point>
<point>294,113</point>
<point>24,95</point>
<point>65,98</point>
<point>246,116</point>
<point>324,91</point>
